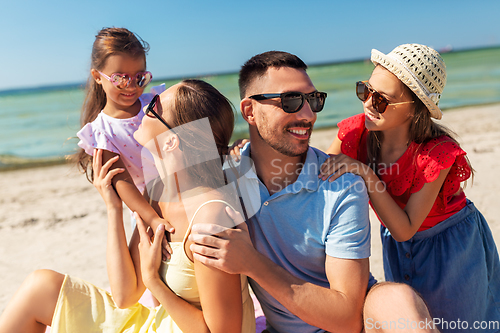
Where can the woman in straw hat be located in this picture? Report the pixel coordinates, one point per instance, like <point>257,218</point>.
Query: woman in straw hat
<point>434,239</point>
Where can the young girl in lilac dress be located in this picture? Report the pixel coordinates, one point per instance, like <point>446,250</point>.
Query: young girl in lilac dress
<point>434,239</point>
<point>112,112</point>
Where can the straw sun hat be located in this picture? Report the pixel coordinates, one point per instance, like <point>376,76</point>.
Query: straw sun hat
<point>419,67</point>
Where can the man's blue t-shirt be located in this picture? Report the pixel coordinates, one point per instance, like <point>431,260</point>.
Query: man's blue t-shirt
<point>300,225</point>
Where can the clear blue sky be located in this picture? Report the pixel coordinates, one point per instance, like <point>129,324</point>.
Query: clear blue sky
<point>49,42</point>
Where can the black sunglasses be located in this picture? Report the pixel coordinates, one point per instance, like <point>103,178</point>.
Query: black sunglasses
<point>293,101</point>
<point>150,109</point>
<point>379,102</point>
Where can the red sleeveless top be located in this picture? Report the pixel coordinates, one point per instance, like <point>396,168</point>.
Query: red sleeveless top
<point>420,164</point>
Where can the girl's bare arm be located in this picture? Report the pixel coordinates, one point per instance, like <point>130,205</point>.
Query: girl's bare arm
<point>402,223</point>
<point>129,193</point>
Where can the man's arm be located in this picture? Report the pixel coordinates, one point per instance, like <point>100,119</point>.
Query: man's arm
<point>335,309</point>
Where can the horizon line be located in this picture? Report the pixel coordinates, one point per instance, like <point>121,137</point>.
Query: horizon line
<point>69,86</point>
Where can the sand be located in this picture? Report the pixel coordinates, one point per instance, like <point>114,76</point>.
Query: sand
<point>53,218</point>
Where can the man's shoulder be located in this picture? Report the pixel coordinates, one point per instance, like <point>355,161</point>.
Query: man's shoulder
<point>344,182</point>
<point>345,190</point>
<point>321,156</point>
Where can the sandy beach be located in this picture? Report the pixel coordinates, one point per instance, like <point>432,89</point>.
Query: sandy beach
<point>52,217</point>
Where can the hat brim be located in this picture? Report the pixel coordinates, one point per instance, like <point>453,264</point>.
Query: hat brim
<point>400,71</point>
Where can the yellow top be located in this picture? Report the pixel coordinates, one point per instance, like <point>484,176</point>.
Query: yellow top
<point>84,308</point>
<point>178,271</point>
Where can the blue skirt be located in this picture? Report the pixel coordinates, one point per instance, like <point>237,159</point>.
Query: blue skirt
<point>455,267</point>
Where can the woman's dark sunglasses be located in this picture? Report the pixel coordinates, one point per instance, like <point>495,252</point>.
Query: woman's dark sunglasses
<point>150,109</point>
<point>293,101</point>
<point>379,102</point>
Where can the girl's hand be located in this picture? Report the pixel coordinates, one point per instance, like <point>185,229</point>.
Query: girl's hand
<point>103,177</point>
<point>150,252</point>
<point>234,150</point>
<point>166,249</point>
<point>336,165</point>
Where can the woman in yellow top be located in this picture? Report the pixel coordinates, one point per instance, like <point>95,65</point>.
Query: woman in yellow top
<point>187,130</point>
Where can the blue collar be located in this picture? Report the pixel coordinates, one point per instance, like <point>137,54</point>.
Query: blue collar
<point>308,177</point>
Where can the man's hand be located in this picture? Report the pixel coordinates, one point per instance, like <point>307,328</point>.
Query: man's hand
<point>227,249</point>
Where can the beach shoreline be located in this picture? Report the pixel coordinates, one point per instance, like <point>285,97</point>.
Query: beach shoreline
<point>52,217</point>
<point>10,162</point>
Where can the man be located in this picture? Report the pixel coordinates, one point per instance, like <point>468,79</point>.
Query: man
<point>308,265</point>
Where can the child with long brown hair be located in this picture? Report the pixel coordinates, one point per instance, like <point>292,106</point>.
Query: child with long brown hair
<point>112,112</point>
<point>433,237</point>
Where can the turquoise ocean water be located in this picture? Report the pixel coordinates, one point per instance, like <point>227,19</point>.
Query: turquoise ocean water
<point>40,125</point>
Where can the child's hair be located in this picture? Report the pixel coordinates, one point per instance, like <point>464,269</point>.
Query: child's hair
<point>108,42</point>
<point>194,100</point>
<point>422,129</point>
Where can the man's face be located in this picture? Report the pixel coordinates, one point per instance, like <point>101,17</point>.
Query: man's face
<point>287,133</point>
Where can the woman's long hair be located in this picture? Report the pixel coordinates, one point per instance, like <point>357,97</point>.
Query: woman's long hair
<point>194,100</point>
<point>108,42</point>
<point>422,130</point>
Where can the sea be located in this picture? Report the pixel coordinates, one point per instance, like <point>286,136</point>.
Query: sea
<point>38,125</point>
